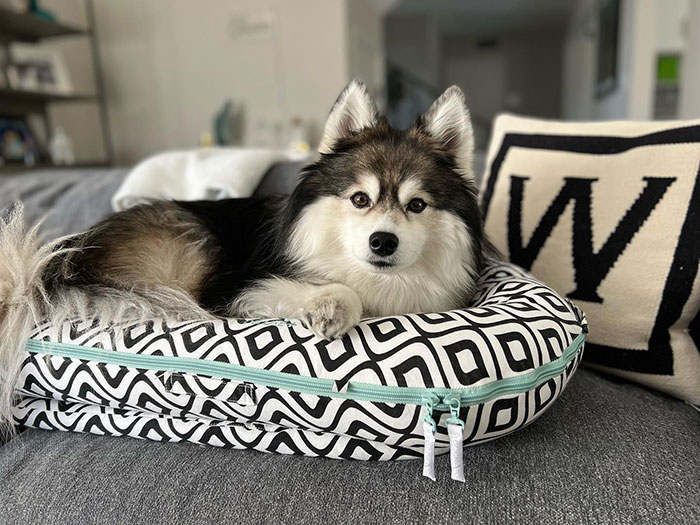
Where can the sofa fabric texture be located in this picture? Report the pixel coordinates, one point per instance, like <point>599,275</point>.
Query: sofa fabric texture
<point>607,452</point>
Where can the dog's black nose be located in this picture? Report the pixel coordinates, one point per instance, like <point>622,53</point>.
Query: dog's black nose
<point>383,243</point>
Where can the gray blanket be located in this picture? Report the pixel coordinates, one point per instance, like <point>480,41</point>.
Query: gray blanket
<point>68,201</point>
<point>72,200</point>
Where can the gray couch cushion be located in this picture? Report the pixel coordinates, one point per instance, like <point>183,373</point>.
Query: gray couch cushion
<point>606,452</point>
<point>280,178</point>
<point>69,201</point>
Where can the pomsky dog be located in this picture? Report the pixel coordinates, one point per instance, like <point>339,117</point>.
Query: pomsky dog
<point>386,222</point>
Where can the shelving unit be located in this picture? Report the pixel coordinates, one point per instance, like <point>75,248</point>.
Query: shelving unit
<point>16,102</point>
<point>27,27</point>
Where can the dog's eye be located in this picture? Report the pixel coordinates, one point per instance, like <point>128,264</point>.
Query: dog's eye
<point>416,205</point>
<point>360,200</point>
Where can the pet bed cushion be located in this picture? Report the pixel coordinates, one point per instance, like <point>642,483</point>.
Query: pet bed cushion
<point>608,214</point>
<point>393,388</point>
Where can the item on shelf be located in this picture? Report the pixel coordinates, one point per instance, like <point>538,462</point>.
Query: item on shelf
<point>222,124</point>
<point>34,77</point>
<point>33,68</point>
<point>298,141</point>
<point>228,129</point>
<point>38,11</point>
<point>16,6</point>
<point>17,143</point>
<point>61,148</point>
<point>205,139</point>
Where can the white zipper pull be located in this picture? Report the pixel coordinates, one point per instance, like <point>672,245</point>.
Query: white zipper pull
<point>429,450</point>
<point>455,431</point>
<point>429,428</point>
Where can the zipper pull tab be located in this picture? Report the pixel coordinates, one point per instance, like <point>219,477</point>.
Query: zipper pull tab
<point>455,431</point>
<point>429,428</point>
<point>429,450</point>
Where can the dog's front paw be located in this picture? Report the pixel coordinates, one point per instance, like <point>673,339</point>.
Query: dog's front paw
<point>332,311</point>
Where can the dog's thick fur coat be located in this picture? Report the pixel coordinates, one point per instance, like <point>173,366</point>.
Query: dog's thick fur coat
<point>386,222</point>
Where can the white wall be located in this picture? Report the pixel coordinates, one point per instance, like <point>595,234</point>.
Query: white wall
<point>633,97</point>
<point>168,70</point>
<point>639,56</point>
<point>169,65</point>
<point>672,26</point>
<point>579,63</point>
<point>690,81</point>
<point>366,56</point>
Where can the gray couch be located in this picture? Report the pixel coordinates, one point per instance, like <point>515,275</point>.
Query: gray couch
<point>606,452</point>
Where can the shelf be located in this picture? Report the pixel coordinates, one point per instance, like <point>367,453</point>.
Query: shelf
<point>16,102</point>
<point>19,96</point>
<point>33,27</point>
<point>26,27</point>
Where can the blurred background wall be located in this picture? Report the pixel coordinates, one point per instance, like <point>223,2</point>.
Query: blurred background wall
<point>168,66</point>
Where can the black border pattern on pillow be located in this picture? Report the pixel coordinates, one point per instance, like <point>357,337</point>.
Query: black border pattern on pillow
<point>658,359</point>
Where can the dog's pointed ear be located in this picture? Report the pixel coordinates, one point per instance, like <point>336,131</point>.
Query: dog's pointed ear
<point>448,122</point>
<point>354,110</point>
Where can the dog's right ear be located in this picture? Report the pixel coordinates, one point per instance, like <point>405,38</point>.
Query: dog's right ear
<point>354,110</point>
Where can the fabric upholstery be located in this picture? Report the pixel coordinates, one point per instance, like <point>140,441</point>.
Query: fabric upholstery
<point>607,452</point>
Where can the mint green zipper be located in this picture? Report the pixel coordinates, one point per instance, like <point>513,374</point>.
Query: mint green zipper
<point>317,386</point>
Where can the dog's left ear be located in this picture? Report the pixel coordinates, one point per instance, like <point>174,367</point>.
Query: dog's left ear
<point>354,110</point>
<point>448,122</point>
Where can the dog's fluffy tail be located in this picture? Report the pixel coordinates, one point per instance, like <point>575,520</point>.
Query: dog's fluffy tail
<point>23,298</point>
<point>25,301</point>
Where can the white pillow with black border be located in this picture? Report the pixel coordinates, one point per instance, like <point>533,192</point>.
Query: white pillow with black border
<point>608,214</point>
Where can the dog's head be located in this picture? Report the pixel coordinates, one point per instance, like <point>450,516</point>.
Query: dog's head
<point>382,201</point>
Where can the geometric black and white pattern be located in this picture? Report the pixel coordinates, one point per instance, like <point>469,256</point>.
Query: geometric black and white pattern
<point>514,325</point>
